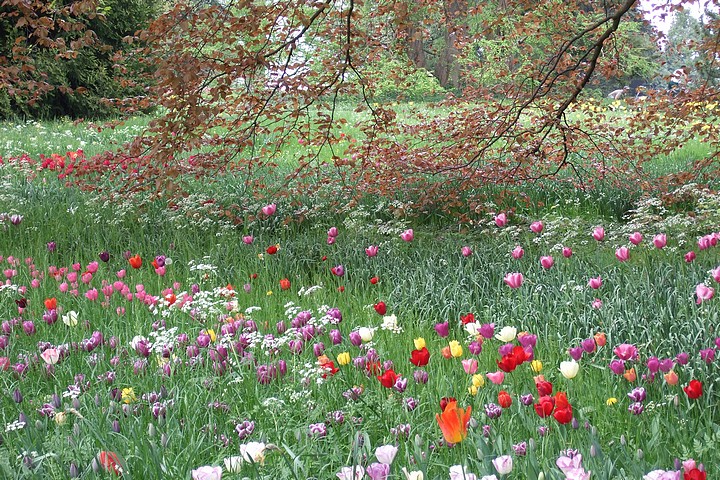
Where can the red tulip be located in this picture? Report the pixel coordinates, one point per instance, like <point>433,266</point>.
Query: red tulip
<point>381,308</point>
<point>469,318</point>
<point>136,261</point>
<point>285,284</point>
<point>109,462</point>
<point>695,474</point>
<point>272,250</point>
<point>374,280</point>
<point>420,358</point>
<point>388,378</point>
<point>444,401</point>
<point>507,363</point>
<point>694,389</point>
<point>545,406</point>
<point>504,399</point>
<point>544,388</point>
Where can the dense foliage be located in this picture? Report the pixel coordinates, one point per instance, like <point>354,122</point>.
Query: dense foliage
<point>57,59</point>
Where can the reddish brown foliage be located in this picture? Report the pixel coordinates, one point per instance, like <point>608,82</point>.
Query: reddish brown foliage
<point>237,84</point>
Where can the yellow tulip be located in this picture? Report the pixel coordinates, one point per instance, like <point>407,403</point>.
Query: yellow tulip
<point>343,358</point>
<point>536,366</point>
<point>419,343</point>
<point>456,349</point>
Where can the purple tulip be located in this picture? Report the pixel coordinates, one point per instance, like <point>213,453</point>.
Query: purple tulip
<point>575,353</point>
<point>443,329</point>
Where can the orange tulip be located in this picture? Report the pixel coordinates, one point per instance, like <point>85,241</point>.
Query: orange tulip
<point>136,261</point>
<point>600,339</point>
<point>109,462</point>
<point>453,422</point>
<point>630,375</point>
<point>51,303</point>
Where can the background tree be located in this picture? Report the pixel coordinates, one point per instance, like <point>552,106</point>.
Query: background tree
<point>238,83</point>
<point>56,58</point>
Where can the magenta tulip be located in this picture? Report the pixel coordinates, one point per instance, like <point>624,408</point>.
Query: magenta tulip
<point>501,220</point>
<point>536,227</point>
<point>636,238</point>
<point>622,254</point>
<point>660,240</point>
<point>598,234</point>
<point>518,252</point>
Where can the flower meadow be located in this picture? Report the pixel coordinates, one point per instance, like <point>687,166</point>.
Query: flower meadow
<point>140,343</point>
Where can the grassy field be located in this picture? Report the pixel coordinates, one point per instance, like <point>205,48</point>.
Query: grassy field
<point>278,350</point>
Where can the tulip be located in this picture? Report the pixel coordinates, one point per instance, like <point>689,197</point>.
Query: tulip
<point>268,210</point>
<point>443,329</point>
<point>671,378</point>
<point>456,349</point>
<point>636,238</point>
<point>518,252</point>
<point>704,293</point>
<point>501,220</point>
<point>378,471</point>
<point>595,283</point>
<point>506,334</point>
<point>248,239</point>
<point>567,252</point>
<point>366,334</point>
<point>408,235</point>
<point>690,257</point>
<point>693,389</point>
<point>660,240</point>
<point>598,234</point>
<point>569,369</point>
<point>371,251</point>
<point>110,463</point>
<point>536,227</point>
<point>626,351</point>
<point>715,274</point>
<point>453,422</point>
<point>386,454</point>
<point>622,254</point>
<point>333,232</point>
<point>546,262</point>
<point>514,280</point>
<point>503,464</point>
<point>470,365</point>
<point>466,251</point>
<point>348,473</point>
<point>497,377</point>
<point>419,343</point>
<point>51,356</point>
<point>253,452</point>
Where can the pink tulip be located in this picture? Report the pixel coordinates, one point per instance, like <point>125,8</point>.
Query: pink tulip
<point>408,235</point>
<point>636,238</point>
<point>333,232</point>
<point>470,365</point>
<point>268,210</point>
<point>121,273</point>
<point>92,295</point>
<point>622,254</point>
<point>466,251</point>
<point>626,351</point>
<point>330,240</point>
<point>660,240</point>
<point>704,242</point>
<point>704,293</point>
<point>689,256</point>
<point>536,227</point>
<point>51,356</point>
<point>567,252</point>
<point>92,267</point>
<point>518,252</point>
<point>597,304</point>
<point>514,280</point>
<point>598,234</point>
<point>595,283</point>
<point>371,251</point>
<point>248,239</point>
<point>497,377</point>
<point>63,287</point>
<point>716,274</point>
<point>547,262</point>
<point>501,220</point>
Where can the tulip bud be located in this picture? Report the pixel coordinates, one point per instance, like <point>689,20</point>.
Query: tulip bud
<point>623,442</point>
<point>541,476</point>
<point>593,450</point>
<point>95,466</point>
<point>151,430</point>
<point>74,470</point>
<point>17,396</point>
<point>163,440</point>
<point>116,426</point>
<point>640,454</point>
<point>39,425</point>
